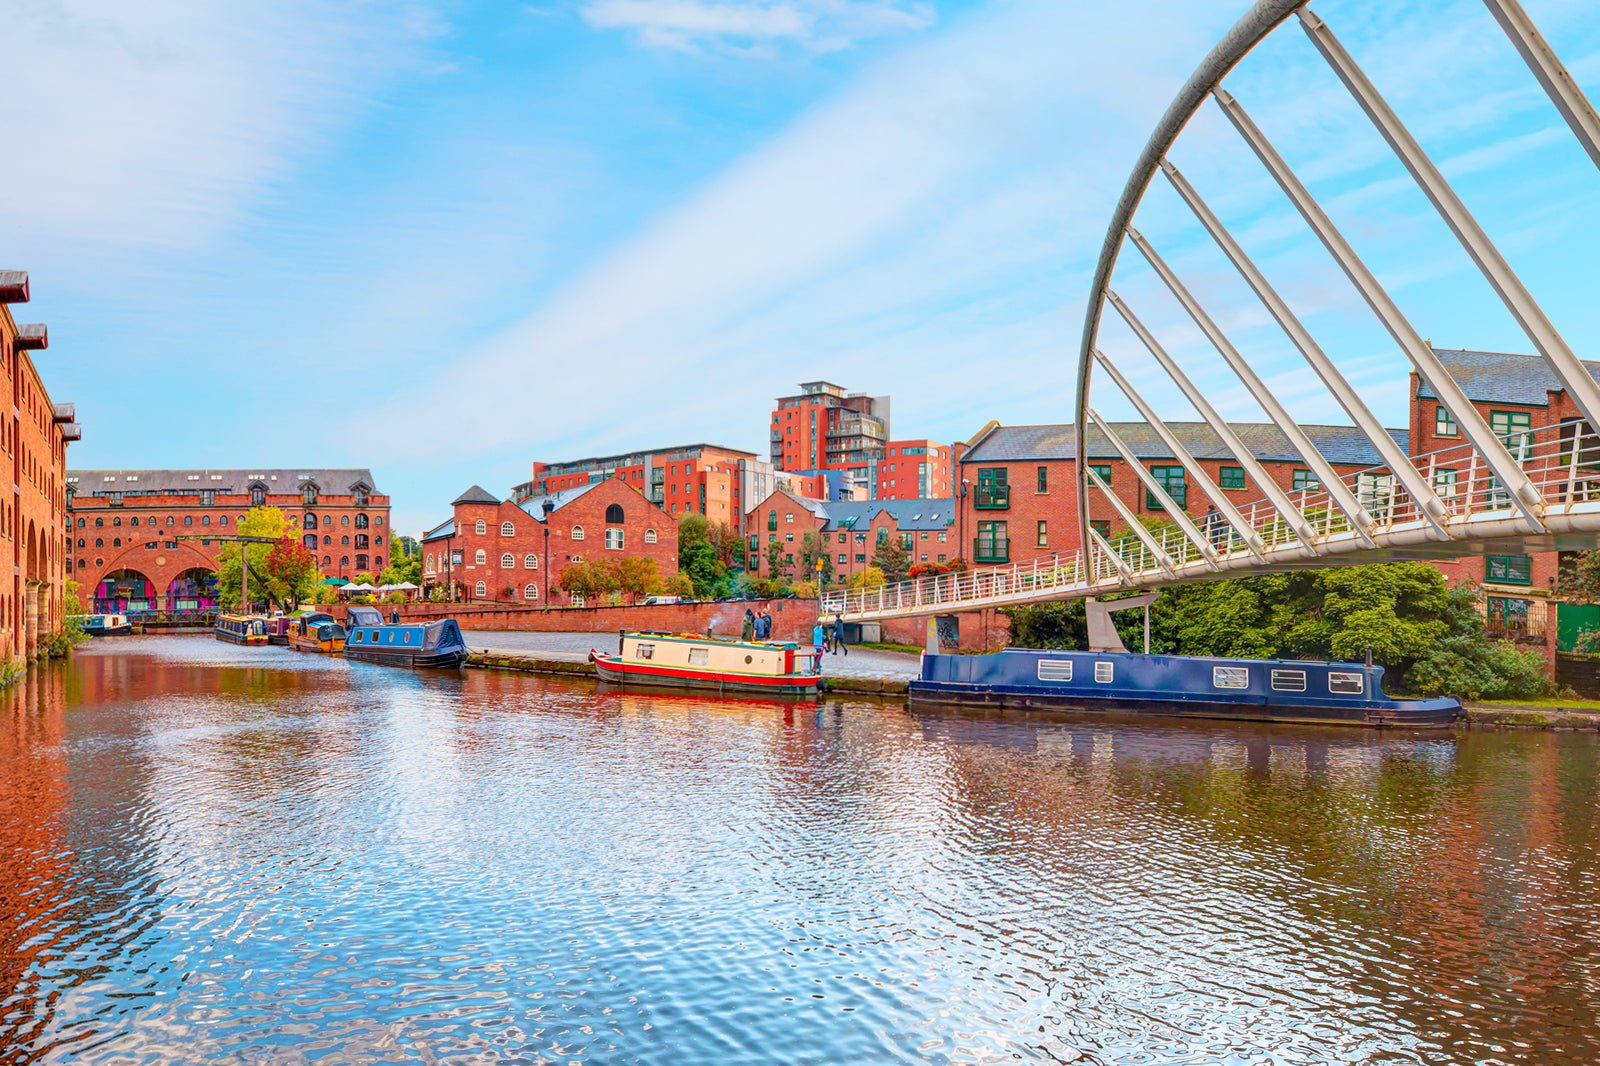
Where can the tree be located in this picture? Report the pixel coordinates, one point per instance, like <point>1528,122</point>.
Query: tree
<point>728,545</point>
<point>814,549</point>
<point>869,578</point>
<point>405,562</point>
<point>258,522</point>
<point>777,569</point>
<point>594,581</point>
<point>697,556</point>
<point>637,575</point>
<point>291,572</point>
<point>892,558</point>
<point>678,585</point>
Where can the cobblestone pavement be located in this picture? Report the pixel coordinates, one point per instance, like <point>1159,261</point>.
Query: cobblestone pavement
<point>574,647</point>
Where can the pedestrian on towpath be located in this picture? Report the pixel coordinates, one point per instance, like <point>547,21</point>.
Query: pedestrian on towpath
<point>838,635</point>
<point>748,632</point>
<point>819,637</point>
<point>766,623</point>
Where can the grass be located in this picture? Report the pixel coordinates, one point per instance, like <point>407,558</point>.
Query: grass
<point>910,649</point>
<point>1570,703</point>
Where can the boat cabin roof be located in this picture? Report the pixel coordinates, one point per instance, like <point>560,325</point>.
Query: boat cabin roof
<point>696,638</point>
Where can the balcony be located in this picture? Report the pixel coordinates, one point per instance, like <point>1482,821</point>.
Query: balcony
<point>991,549</point>
<point>992,496</point>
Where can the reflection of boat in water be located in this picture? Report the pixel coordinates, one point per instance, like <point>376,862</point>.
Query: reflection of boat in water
<point>687,660</point>
<point>241,629</point>
<point>317,632</point>
<point>106,625</point>
<point>428,644</point>
<point>1273,690</point>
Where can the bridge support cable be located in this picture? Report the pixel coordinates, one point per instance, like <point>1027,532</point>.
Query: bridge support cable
<point>1219,425</point>
<point>1563,362</point>
<point>1495,455</point>
<point>1208,550</point>
<point>1124,571</point>
<point>1191,466</point>
<point>1413,481</point>
<point>1551,72</point>
<point>1337,490</point>
<point>1150,543</point>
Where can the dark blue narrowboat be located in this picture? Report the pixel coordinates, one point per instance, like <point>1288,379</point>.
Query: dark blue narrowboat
<point>106,625</point>
<point>1271,690</point>
<point>428,644</point>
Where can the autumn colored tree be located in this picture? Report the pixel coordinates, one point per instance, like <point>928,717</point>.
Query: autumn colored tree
<point>258,522</point>
<point>291,572</point>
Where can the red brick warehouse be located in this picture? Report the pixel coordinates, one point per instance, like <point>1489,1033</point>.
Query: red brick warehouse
<point>495,550</point>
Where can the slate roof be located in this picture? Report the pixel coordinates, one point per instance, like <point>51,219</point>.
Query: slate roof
<point>1501,377</point>
<point>447,528</point>
<point>233,482</point>
<point>908,514</point>
<point>476,494</point>
<point>534,505</point>
<point>1344,445</point>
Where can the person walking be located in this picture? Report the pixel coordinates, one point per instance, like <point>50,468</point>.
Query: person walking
<point>838,635</point>
<point>819,637</point>
<point>748,631</point>
<point>766,623</point>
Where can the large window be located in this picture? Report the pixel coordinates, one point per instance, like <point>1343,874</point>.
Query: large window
<point>1102,471</point>
<point>577,532</point>
<point>1444,483</point>
<point>614,513</point>
<point>1305,481</point>
<point>481,589</point>
<point>991,544</point>
<point>480,557</point>
<point>614,538</point>
<point>1171,480</point>
<point>507,529</point>
<point>1508,569</point>
<point>507,561</point>
<point>1513,428</point>
<point>480,527</point>
<point>1444,423</point>
<point>993,492</point>
<point>530,561</point>
<point>1230,477</point>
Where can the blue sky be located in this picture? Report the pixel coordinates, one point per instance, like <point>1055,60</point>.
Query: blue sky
<point>444,239</point>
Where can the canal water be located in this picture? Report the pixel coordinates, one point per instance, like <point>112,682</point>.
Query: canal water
<point>209,853</point>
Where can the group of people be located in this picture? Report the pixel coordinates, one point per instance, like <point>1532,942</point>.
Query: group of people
<point>820,635</point>
<point>756,626</point>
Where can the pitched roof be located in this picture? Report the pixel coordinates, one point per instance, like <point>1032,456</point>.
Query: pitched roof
<point>1500,377</point>
<point>227,482</point>
<point>907,514</point>
<point>476,494</point>
<point>534,505</point>
<point>447,528</point>
<point>1344,445</point>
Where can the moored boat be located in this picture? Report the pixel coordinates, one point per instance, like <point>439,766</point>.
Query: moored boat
<point>687,660</point>
<point>241,629</point>
<point>1273,690</point>
<point>318,632</point>
<point>106,625</point>
<point>424,644</point>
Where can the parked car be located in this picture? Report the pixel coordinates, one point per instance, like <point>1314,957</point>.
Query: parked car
<point>652,600</point>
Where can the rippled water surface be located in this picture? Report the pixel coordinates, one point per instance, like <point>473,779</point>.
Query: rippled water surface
<point>209,853</point>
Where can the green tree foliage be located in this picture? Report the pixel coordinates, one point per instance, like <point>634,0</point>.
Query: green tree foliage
<point>697,555</point>
<point>405,563</point>
<point>814,549</point>
<point>678,585</point>
<point>727,543</point>
<point>258,522</point>
<point>595,581</point>
<point>777,568</point>
<point>636,575</point>
<point>892,558</point>
<point>871,577</point>
<point>1465,663</point>
<point>291,572</point>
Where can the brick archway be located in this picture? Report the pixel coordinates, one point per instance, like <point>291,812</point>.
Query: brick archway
<point>159,565</point>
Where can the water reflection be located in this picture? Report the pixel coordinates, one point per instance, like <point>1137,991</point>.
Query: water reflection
<point>217,852</point>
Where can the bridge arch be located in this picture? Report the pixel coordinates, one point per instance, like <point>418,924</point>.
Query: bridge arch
<point>194,589</point>
<point>125,591</point>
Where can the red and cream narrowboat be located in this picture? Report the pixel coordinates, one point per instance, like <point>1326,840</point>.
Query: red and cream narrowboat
<point>686,660</point>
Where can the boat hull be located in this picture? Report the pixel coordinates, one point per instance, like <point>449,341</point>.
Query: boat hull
<point>253,640</point>
<point>123,630</point>
<point>312,644</point>
<point>614,670</point>
<point>421,659</point>
<point>1176,686</point>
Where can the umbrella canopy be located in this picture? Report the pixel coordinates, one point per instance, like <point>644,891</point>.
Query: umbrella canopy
<point>404,586</point>
<point>363,587</point>
<point>335,581</point>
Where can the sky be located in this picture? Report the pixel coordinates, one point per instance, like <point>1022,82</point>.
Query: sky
<point>442,239</point>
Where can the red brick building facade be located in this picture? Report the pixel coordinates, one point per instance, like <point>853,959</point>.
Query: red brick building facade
<point>915,470</point>
<point>495,550</point>
<point>125,528</point>
<point>848,532</point>
<point>825,428</point>
<point>686,479</point>
<point>34,433</point>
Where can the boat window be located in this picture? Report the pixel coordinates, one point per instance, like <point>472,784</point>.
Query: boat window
<point>1230,677</point>
<point>1055,670</point>
<point>1289,680</point>
<point>647,651</point>
<point>407,637</point>
<point>1103,672</point>
<point>1346,683</point>
<point>699,656</point>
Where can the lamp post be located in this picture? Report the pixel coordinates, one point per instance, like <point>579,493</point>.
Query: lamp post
<point>961,513</point>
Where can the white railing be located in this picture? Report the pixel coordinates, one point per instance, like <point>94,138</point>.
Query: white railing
<point>1561,461</point>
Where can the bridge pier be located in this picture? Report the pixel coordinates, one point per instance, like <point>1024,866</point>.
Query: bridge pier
<point>944,634</point>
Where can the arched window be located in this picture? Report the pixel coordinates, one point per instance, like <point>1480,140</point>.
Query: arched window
<point>614,513</point>
<point>80,523</point>
<point>116,542</point>
<point>311,540</point>
<point>430,562</point>
<point>507,529</point>
<point>205,520</point>
<point>377,562</point>
<point>344,562</point>
<point>221,521</point>
<point>116,521</point>
<point>507,561</point>
<point>481,527</point>
<point>577,532</point>
<point>326,540</point>
<point>480,557</point>
<point>362,521</point>
<point>530,591</point>
<point>327,560</point>
<point>99,523</point>
<point>345,520</point>
<point>482,589</point>
<point>134,521</point>
<point>649,536</point>
<point>345,540</point>
<point>188,519</point>
<point>529,561</point>
<point>99,543</point>
<point>169,520</point>
<point>361,562</point>
<point>311,521</point>
<point>80,542</point>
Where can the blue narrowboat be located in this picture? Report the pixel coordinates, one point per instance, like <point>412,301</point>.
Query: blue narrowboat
<point>106,625</point>
<point>1271,690</point>
<point>241,629</point>
<point>432,644</point>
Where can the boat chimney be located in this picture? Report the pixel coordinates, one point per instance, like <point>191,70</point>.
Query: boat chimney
<point>1369,655</point>
<point>621,635</point>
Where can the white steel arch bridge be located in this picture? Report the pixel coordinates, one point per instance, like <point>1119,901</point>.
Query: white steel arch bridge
<point>1535,490</point>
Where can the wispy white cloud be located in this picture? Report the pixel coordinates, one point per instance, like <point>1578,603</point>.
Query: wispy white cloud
<point>814,25</point>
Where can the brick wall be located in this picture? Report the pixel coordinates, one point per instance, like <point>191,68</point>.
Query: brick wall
<point>791,619</point>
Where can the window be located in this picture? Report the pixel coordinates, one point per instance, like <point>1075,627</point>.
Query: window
<point>530,561</point>
<point>1044,540</point>
<point>844,538</point>
<point>1171,480</point>
<point>613,538</point>
<point>1230,477</point>
<point>905,541</point>
<point>1444,423</point>
<point>577,533</point>
<point>614,514</point>
<point>1508,569</point>
<point>993,492</point>
<point>346,521</point>
<point>772,520</point>
<point>481,589</point>
<point>1289,680</point>
<point>310,521</point>
<point>507,561</point>
<point>221,521</point>
<point>481,528</point>
<point>1304,481</point>
<point>788,519</point>
<point>699,656</point>
<point>530,591</point>
<point>99,543</point>
<point>507,529</point>
<point>1345,683</point>
<point>1375,492</point>
<point>308,495</point>
<point>326,540</point>
<point>944,536</point>
<point>841,558</point>
<point>208,498</point>
<point>480,557</point>
<point>1044,479</point>
<point>1444,483</point>
<point>1101,526</point>
<point>361,540</point>
<point>1103,672</point>
<point>360,496</point>
<point>1054,670</point>
<point>1230,677</point>
<point>258,497</point>
<point>650,537</point>
<point>310,540</point>
<point>1512,427</point>
<point>861,557</point>
<point>991,544</point>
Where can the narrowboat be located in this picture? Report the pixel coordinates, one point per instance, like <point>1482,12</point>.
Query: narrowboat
<point>1270,690</point>
<point>106,625</point>
<point>318,632</point>
<point>241,629</point>
<point>278,630</point>
<point>429,644</point>
<point>687,660</point>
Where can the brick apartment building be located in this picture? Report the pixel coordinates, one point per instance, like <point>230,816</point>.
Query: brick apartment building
<point>1018,484</point>
<point>704,479</point>
<point>825,428</point>
<point>124,541</point>
<point>915,470</point>
<point>493,550</point>
<point>849,532</point>
<point>34,434</point>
